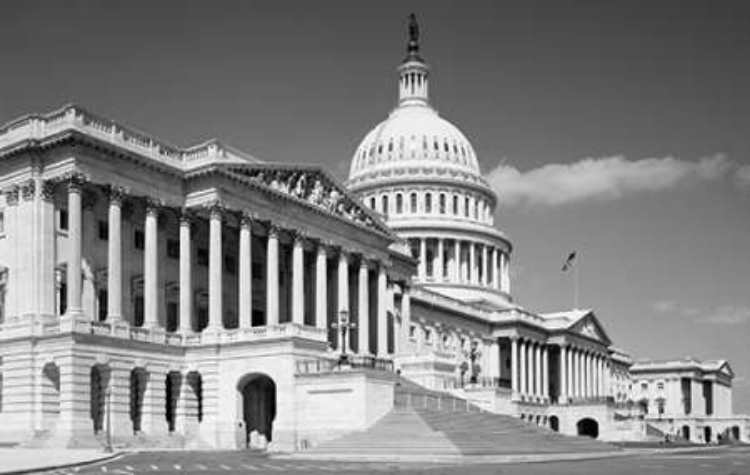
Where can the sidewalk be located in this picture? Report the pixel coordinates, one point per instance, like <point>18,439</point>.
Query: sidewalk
<point>17,461</point>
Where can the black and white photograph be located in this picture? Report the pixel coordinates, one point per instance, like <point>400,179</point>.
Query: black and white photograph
<point>432,237</point>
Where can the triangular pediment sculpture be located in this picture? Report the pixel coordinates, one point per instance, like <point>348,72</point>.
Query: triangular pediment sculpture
<point>314,186</point>
<point>590,327</point>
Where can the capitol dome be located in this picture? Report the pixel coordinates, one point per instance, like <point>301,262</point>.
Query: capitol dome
<point>422,175</point>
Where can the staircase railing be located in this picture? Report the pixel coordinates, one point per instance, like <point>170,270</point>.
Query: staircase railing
<point>437,402</point>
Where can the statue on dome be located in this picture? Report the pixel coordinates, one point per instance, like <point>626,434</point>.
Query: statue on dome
<point>413,29</point>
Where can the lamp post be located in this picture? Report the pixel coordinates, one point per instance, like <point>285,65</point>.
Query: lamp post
<point>108,402</point>
<point>345,326</point>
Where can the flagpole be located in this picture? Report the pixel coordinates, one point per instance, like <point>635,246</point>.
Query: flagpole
<point>576,283</point>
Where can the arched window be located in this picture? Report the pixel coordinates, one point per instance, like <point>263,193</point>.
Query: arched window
<point>428,203</point>
<point>455,204</point>
<point>384,202</point>
<point>476,209</point>
<point>466,207</point>
<point>442,203</point>
<point>372,202</point>
<point>413,202</point>
<point>399,203</point>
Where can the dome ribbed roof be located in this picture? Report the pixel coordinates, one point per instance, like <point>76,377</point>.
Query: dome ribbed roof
<point>414,135</point>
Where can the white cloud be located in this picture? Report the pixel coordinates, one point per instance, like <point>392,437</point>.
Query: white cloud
<point>742,176</point>
<point>724,315</point>
<point>600,179</point>
<point>728,315</point>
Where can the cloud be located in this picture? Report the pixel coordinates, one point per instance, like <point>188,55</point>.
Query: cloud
<point>728,315</point>
<point>724,315</point>
<point>742,177</point>
<point>600,179</point>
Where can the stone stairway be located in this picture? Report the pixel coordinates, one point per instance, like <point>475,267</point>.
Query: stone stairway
<point>425,422</point>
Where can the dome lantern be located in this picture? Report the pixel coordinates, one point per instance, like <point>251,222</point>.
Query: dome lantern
<point>413,71</point>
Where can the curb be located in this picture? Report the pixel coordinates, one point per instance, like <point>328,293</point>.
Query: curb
<point>48,468</point>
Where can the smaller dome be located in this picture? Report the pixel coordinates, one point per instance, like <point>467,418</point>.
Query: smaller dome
<point>414,135</point>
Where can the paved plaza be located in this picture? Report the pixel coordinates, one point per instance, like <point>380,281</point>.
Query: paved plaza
<point>720,461</point>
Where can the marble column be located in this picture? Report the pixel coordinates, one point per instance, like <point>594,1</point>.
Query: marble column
<point>495,269</point>
<point>75,245</point>
<point>545,371</point>
<point>514,367</point>
<point>563,373</point>
<point>298,280</point>
<point>363,325</point>
<point>473,263</point>
<point>589,375</point>
<point>382,318</point>
<point>522,365</point>
<point>422,259</point>
<point>485,266</point>
<point>151,267</point>
<point>186,274</point>
<point>215,269</point>
<point>321,287</point>
<point>538,370</point>
<point>438,271</point>
<point>456,261</point>
<point>494,348</point>
<point>576,366</point>
<point>272,276</point>
<point>405,318</point>
<point>245,281</point>
<point>114,256</point>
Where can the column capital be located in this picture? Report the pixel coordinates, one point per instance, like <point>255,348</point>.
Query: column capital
<point>187,217</point>
<point>216,209</point>
<point>273,229</point>
<point>115,194</point>
<point>247,218</point>
<point>11,196</point>
<point>48,189</point>
<point>28,189</point>
<point>300,238</point>
<point>76,181</point>
<point>152,205</point>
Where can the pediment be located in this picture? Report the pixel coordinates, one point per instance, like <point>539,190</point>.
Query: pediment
<point>589,327</point>
<point>315,187</point>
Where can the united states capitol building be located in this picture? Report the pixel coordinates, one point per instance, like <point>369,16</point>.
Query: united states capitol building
<point>200,297</point>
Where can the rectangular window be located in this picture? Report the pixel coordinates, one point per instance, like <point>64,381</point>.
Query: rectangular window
<point>412,332</point>
<point>173,248</point>
<point>428,336</point>
<point>2,222</point>
<point>62,219</point>
<point>644,386</point>
<point>102,297</point>
<point>138,311</point>
<point>202,257</point>
<point>63,299</point>
<point>139,239</point>
<point>103,229</point>
<point>428,203</point>
<point>660,385</point>
<point>172,309</point>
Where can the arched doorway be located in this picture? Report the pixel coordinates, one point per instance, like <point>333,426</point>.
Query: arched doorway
<point>686,432</point>
<point>588,427</point>
<point>554,423</point>
<point>138,381</point>
<point>707,434</point>
<point>735,433</point>
<point>98,382</point>
<point>258,396</point>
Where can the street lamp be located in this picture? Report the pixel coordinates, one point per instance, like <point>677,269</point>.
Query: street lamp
<point>344,325</point>
<point>108,401</point>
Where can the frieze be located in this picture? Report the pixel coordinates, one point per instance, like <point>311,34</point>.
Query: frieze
<point>313,187</point>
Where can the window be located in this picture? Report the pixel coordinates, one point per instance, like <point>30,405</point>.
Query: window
<point>102,303</point>
<point>644,386</point>
<point>2,222</point>
<point>399,203</point>
<point>62,219</point>
<point>442,203</point>
<point>173,248</point>
<point>413,202</point>
<point>428,336</point>
<point>372,203</point>
<point>466,207</point>
<point>230,264</point>
<point>455,204</point>
<point>139,239</point>
<point>63,298</point>
<point>385,205</point>
<point>412,332</point>
<point>660,385</point>
<point>428,203</point>
<point>138,310</point>
<point>102,230</point>
<point>172,316</point>
<point>202,257</point>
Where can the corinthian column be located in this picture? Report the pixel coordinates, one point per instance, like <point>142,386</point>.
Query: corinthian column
<point>364,308</point>
<point>151,267</point>
<point>186,274</point>
<point>216,270</point>
<point>514,367</point>
<point>298,280</point>
<point>75,244</point>
<point>114,256</point>
<point>321,287</point>
<point>343,291</point>
<point>563,373</point>
<point>245,284</point>
<point>272,276</point>
<point>382,319</point>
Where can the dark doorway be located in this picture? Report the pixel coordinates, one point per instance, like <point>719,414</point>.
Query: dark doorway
<point>686,432</point>
<point>707,434</point>
<point>588,428</point>
<point>735,433</point>
<point>258,409</point>
<point>554,423</point>
<point>138,382</point>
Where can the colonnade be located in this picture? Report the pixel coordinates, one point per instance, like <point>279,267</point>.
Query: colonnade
<point>530,368</point>
<point>583,373</point>
<point>216,217</point>
<point>462,262</point>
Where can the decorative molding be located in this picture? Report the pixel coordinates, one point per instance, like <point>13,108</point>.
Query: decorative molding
<point>116,194</point>
<point>48,189</point>
<point>216,209</point>
<point>247,219</point>
<point>187,217</point>
<point>273,230</point>
<point>28,189</point>
<point>12,195</point>
<point>76,181</point>
<point>152,205</point>
<point>300,238</point>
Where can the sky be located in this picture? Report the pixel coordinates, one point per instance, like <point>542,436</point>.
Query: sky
<point>616,129</point>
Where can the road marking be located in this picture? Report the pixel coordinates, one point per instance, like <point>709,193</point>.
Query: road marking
<point>272,467</point>
<point>250,467</point>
